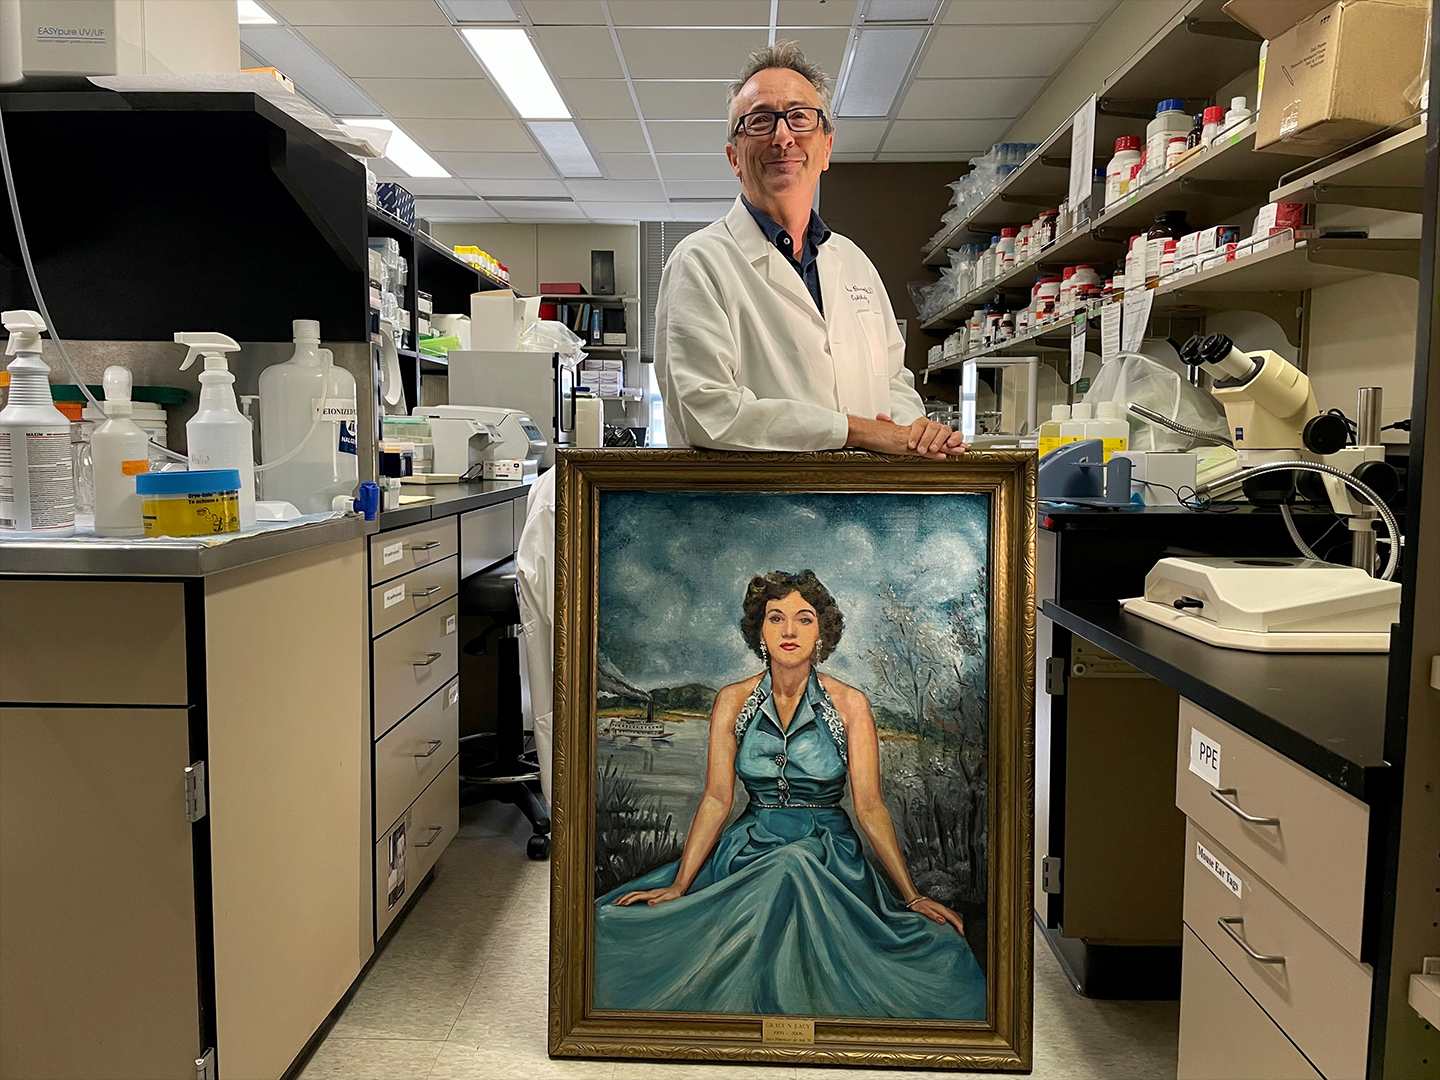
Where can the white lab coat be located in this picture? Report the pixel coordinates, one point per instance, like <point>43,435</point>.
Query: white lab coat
<point>745,360</point>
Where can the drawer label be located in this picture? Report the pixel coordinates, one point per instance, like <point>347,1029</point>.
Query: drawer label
<point>1205,758</point>
<point>392,552</point>
<point>452,695</point>
<point>1219,869</point>
<point>394,596</point>
<point>395,867</point>
<point>449,624</point>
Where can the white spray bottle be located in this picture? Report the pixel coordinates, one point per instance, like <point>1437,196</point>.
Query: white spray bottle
<point>119,452</point>
<point>37,477</point>
<point>218,435</point>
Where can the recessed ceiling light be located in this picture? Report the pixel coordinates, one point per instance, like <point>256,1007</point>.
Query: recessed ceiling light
<point>513,64</point>
<point>878,67</point>
<point>478,11</point>
<point>899,11</point>
<point>402,150</point>
<point>252,14</point>
<point>567,149</point>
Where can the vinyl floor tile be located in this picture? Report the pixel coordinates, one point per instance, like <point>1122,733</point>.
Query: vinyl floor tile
<point>513,1060</point>
<point>372,1059</point>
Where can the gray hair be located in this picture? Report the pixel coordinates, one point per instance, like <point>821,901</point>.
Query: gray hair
<point>783,54</point>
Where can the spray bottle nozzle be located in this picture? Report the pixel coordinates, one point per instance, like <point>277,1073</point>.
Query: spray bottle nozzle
<point>25,329</point>
<point>211,346</point>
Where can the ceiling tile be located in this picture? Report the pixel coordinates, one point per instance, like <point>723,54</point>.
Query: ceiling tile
<point>709,211</point>
<point>963,99</point>
<point>859,136</point>
<point>687,136</point>
<point>581,52</point>
<point>688,54</point>
<point>396,52</point>
<point>565,12</point>
<point>437,99</point>
<point>694,167</point>
<point>535,188</point>
<point>616,136</point>
<point>990,51</point>
<point>349,13</point>
<point>540,211</point>
<point>1028,12</point>
<point>435,185</point>
<point>495,136</point>
<point>690,12</point>
<point>454,210</point>
<point>703,189</point>
<point>629,166</point>
<point>385,169</point>
<point>598,99</point>
<point>682,100</point>
<point>823,47</point>
<point>627,211</point>
<point>815,13</point>
<point>498,166</point>
<point>942,136</point>
<point>315,77</point>
<point>616,190</point>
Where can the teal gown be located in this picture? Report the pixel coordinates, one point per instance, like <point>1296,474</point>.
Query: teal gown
<point>786,916</point>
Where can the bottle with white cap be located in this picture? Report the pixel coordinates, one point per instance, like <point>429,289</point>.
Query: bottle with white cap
<point>119,452</point>
<point>1050,429</point>
<point>1110,427</point>
<point>309,416</point>
<point>218,436</point>
<point>1073,430</point>
<point>37,476</point>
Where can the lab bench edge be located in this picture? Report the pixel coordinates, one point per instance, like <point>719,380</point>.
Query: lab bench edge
<point>451,499</point>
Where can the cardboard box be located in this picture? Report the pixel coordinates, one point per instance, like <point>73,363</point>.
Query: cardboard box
<point>495,319</point>
<point>1271,18</point>
<point>1339,75</point>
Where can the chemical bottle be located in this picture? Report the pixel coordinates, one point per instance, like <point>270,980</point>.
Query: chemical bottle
<point>308,400</point>
<point>119,452</point>
<point>1236,115</point>
<point>1050,429</point>
<point>1170,119</point>
<point>219,437</point>
<point>1110,427</point>
<point>37,477</point>
<point>1073,430</point>
<point>1121,167</point>
<point>1169,225</point>
<point>1214,117</point>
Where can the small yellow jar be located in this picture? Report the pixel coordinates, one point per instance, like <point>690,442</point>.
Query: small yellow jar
<point>200,503</point>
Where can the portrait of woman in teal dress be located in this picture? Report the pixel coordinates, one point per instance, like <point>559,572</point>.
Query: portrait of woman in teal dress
<point>781,913</point>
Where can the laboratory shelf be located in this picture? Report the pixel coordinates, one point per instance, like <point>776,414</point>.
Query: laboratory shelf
<point>1387,175</point>
<point>1192,57</point>
<point>1289,266</point>
<point>1324,711</point>
<point>1055,337</point>
<point>384,223</point>
<point>1217,182</point>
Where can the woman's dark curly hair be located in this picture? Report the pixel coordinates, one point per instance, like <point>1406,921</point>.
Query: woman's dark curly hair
<point>777,585</point>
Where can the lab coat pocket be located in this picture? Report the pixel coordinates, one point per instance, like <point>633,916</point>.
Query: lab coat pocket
<point>872,326</point>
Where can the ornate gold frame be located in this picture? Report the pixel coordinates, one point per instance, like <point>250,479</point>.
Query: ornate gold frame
<point>575,1028</point>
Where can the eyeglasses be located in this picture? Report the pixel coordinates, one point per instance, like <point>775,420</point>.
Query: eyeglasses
<point>801,121</point>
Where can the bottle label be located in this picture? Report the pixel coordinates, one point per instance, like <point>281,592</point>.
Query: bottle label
<point>1111,445</point>
<point>43,457</point>
<point>341,409</point>
<point>348,443</point>
<point>135,468</point>
<point>1049,443</point>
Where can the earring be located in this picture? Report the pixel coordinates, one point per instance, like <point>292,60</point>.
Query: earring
<point>764,654</point>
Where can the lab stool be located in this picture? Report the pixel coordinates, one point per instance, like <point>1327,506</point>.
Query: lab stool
<point>499,767</point>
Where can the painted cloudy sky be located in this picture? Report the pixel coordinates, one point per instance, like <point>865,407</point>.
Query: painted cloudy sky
<point>673,571</point>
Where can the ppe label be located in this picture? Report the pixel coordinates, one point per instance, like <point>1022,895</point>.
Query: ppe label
<point>1219,869</point>
<point>392,553</point>
<point>1205,758</point>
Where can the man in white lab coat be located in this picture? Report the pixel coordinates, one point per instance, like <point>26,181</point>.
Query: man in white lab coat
<point>762,341</point>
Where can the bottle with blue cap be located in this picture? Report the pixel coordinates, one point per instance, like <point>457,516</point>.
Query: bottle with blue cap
<point>1171,120</point>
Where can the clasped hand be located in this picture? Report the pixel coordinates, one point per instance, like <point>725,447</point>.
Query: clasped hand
<point>924,438</point>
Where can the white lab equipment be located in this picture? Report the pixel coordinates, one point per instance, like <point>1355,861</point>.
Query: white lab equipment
<point>1160,477</point>
<point>589,421</point>
<point>309,416</point>
<point>37,490</point>
<point>119,452</point>
<point>1017,393</point>
<point>218,436</point>
<point>535,384</point>
<point>471,437</point>
<point>1271,604</point>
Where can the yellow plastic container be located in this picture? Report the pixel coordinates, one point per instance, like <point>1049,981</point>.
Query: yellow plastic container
<point>200,503</point>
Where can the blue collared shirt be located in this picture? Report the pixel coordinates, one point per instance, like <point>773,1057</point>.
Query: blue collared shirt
<point>815,234</point>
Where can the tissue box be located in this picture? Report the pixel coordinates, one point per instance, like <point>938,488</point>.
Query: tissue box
<point>396,201</point>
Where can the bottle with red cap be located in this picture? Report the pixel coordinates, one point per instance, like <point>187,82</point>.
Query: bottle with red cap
<point>1214,117</point>
<point>1005,254</point>
<point>1121,168</point>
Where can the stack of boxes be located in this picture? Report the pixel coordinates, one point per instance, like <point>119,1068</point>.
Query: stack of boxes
<point>389,271</point>
<point>604,377</point>
<point>396,201</point>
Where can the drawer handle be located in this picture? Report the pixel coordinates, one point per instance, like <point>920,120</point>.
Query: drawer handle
<point>1228,923</point>
<point>431,591</point>
<point>430,658</point>
<point>435,744</point>
<point>1219,796</point>
<point>427,546</point>
<point>436,830</point>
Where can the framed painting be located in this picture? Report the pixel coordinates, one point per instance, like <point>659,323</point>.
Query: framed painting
<point>793,768</point>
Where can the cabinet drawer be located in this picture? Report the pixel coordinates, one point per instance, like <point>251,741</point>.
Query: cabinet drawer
<point>1319,994</point>
<point>401,598</point>
<point>399,552</point>
<point>412,661</point>
<point>413,753</point>
<point>1224,1035</point>
<point>486,537</point>
<point>1314,857</point>
<point>406,853</point>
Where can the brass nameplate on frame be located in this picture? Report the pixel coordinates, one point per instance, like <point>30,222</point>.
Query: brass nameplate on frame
<point>787,1030</point>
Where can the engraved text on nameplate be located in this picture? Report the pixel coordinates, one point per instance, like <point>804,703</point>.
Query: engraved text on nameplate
<point>788,1029</point>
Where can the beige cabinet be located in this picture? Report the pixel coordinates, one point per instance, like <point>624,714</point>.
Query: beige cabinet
<point>410,847</point>
<point>414,752</point>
